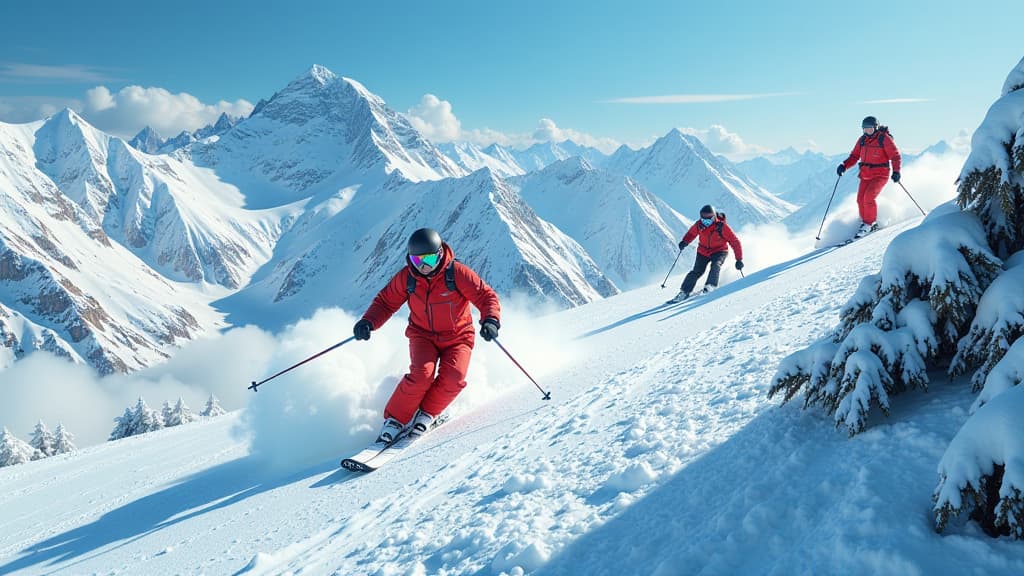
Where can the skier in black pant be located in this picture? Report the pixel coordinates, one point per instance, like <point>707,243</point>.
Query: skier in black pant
<point>715,238</point>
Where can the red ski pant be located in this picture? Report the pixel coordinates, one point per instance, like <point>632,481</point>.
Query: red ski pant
<point>869,190</point>
<point>437,373</point>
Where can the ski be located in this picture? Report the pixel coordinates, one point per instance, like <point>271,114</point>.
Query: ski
<point>690,297</point>
<point>378,454</point>
<point>375,455</point>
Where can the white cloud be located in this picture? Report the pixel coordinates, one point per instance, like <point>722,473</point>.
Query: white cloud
<point>130,109</point>
<point>21,109</point>
<point>69,73</point>
<point>720,140</point>
<point>693,98</point>
<point>548,131</point>
<point>434,119</point>
<point>125,112</point>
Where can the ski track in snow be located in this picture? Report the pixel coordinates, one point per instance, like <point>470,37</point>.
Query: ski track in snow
<point>659,454</point>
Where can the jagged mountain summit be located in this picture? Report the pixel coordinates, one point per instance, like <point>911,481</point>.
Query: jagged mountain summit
<point>322,132</point>
<point>680,170</point>
<point>472,158</point>
<point>150,141</point>
<point>790,175</point>
<point>543,154</point>
<point>631,233</point>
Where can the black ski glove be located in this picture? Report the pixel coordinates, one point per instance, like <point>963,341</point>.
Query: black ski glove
<point>489,329</point>
<point>840,169</point>
<point>895,176</point>
<point>362,329</point>
<point>739,264</point>
<point>682,245</point>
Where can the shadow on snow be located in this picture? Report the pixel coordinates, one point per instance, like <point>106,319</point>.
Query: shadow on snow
<point>699,300</point>
<point>218,487</point>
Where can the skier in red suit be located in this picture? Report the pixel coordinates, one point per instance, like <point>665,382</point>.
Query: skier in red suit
<point>875,150</point>
<point>438,290</point>
<point>714,237</point>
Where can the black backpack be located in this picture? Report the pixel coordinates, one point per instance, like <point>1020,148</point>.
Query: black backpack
<point>449,279</point>
<point>882,132</point>
<point>720,223</point>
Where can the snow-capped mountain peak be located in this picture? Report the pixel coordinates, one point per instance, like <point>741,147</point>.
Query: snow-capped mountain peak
<point>322,132</point>
<point>147,140</point>
<point>682,171</point>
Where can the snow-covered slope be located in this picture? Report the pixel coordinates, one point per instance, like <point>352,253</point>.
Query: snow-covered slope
<point>658,454</point>
<point>680,170</point>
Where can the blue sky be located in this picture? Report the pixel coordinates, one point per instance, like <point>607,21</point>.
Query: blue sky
<point>746,76</point>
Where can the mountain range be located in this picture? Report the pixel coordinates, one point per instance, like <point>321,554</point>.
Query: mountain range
<point>111,252</point>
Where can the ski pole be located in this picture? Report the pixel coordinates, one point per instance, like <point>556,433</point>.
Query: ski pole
<point>255,384</point>
<point>547,395</point>
<point>912,198</point>
<point>834,188</point>
<point>672,268</point>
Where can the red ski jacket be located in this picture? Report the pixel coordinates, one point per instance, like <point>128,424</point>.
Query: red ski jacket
<point>874,153</point>
<point>714,239</point>
<point>436,312</point>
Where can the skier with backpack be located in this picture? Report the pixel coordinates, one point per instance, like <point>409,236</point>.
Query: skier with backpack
<point>438,289</point>
<point>715,237</point>
<point>874,151</point>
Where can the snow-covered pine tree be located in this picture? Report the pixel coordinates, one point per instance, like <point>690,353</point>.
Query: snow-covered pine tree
<point>63,441</point>
<point>180,414</point>
<point>123,425</point>
<point>982,471</point>
<point>145,419</point>
<point>14,450</point>
<point>212,407</point>
<point>898,323</point>
<point>166,413</point>
<point>42,440</point>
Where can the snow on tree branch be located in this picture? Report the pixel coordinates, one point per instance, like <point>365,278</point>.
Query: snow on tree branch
<point>924,297</point>
<point>983,477</point>
<point>998,322</point>
<point>990,181</point>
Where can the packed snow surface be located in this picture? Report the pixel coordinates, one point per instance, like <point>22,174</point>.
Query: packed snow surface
<point>658,454</point>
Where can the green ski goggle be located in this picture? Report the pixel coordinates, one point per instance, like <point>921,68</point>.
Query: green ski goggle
<point>428,259</point>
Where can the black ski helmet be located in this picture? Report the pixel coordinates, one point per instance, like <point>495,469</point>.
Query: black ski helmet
<point>708,209</point>
<point>424,241</point>
<point>869,122</point>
